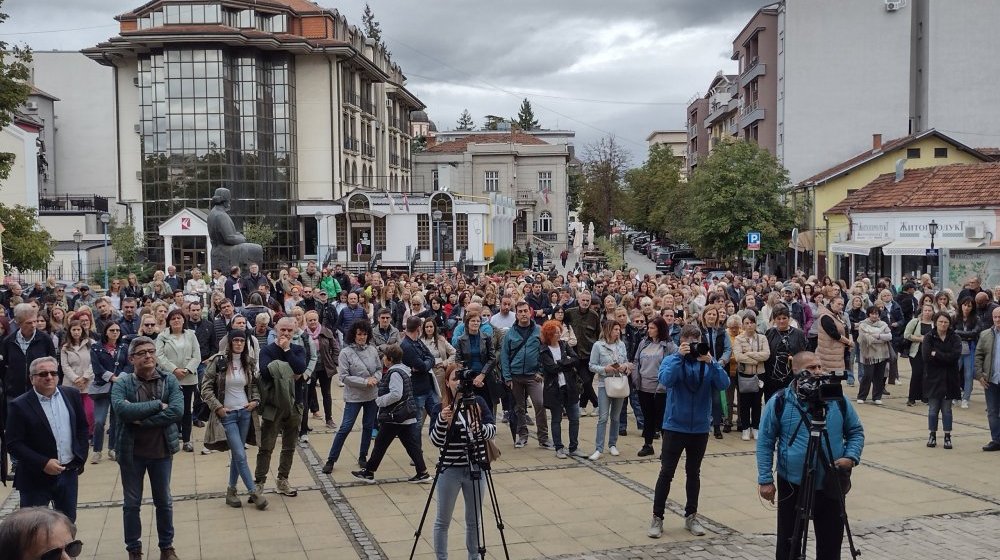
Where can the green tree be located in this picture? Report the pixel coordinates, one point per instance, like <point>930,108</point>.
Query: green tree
<point>14,88</point>
<point>736,190</point>
<point>574,188</point>
<point>650,187</point>
<point>258,232</point>
<point>465,121</point>
<point>604,166</point>
<point>492,122</point>
<point>125,241</point>
<point>373,30</point>
<point>526,116</point>
<point>26,246</point>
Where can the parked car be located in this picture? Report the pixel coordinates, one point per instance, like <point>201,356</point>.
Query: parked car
<point>687,266</point>
<point>638,241</point>
<point>669,260</point>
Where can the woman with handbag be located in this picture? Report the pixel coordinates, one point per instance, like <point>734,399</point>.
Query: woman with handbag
<point>229,389</point>
<point>452,434</point>
<point>750,350</point>
<point>649,354</point>
<point>941,350</point>
<point>608,361</point>
<point>561,392</point>
<point>874,337</point>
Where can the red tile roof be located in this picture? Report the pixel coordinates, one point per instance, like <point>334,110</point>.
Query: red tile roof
<point>887,147</point>
<point>992,153</point>
<point>462,145</point>
<point>963,185</point>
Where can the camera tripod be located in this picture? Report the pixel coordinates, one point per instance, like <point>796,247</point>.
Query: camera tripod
<point>818,446</point>
<point>466,409</point>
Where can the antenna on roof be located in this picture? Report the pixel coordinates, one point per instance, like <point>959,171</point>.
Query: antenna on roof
<point>900,164</point>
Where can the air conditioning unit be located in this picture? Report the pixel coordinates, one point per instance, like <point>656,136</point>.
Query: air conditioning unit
<point>135,81</point>
<point>31,106</point>
<point>894,5</point>
<point>137,128</point>
<point>975,230</point>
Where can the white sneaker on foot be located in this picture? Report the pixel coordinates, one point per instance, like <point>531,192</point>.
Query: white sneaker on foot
<point>692,524</point>
<point>965,404</point>
<point>595,456</point>
<point>655,528</point>
<point>613,451</point>
<point>753,432</point>
<point>878,402</point>
<point>745,436</point>
<point>861,401</point>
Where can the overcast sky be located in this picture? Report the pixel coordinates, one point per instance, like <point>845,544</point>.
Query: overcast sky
<point>598,67</point>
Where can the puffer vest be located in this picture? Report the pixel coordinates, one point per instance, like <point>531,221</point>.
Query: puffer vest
<point>405,408</point>
<point>830,351</point>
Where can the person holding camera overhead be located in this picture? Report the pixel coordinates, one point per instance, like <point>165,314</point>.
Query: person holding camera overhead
<point>452,433</point>
<point>784,429</point>
<point>691,377</point>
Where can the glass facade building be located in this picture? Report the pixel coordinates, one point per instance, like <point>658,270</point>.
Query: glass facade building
<point>214,117</point>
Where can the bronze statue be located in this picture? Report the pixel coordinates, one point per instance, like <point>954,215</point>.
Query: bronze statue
<point>229,247</point>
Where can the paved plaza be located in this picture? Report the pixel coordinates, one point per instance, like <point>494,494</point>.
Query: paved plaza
<point>908,501</point>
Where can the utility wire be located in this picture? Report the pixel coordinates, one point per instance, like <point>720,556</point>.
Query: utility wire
<point>39,32</point>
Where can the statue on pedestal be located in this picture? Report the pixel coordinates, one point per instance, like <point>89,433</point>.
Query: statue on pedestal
<point>229,247</point>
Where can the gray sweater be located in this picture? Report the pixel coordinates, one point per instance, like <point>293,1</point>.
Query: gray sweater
<point>356,365</point>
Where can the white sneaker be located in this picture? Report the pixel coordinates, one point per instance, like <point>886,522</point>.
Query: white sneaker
<point>595,456</point>
<point>861,401</point>
<point>655,528</point>
<point>746,435</point>
<point>965,404</point>
<point>878,402</point>
<point>206,451</point>
<point>753,432</point>
<point>303,441</point>
<point>692,524</point>
<point>613,451</point>
<point>95,457</point>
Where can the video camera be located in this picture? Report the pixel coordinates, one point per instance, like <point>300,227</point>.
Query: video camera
<point>816,389</point>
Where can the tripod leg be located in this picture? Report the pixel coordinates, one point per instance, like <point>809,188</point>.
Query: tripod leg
<point>495,504</point>
<point>427,506</point>
<point>841,498</point>
<point>806,499</point>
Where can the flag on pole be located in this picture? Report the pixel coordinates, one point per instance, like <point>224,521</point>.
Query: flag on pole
<point>392,201</point>
<point>406,202</point>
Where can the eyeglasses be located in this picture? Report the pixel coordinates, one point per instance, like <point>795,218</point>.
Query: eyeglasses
<point>47,374</point>
<point>149,324</point>
<point>114,330</point>
<point>72,550</point>
<point>144,353</point>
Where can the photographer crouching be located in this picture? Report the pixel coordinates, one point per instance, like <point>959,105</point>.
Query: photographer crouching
<point>789,417</point>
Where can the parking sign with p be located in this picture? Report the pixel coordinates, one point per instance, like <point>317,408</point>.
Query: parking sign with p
<point>753,241</point>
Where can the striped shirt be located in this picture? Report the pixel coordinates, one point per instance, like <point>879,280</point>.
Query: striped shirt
<point>454,452</point>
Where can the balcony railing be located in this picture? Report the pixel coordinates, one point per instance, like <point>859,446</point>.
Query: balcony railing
<point>352,99</point>
<point>750,114</point>
<point>351,144</point>
<point>367,106</point>
<point>754,70</point>
<point>526,196</point>
<point>406,163</point>
<point>394,160</point>
<point>71,203</point>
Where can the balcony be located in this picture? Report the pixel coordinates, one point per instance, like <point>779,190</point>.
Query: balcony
<point>69,204</point>
<point>351,144</point>
<point>750,114</point>
<point>407,163</point>
<point>752,72</point>
<point>367,150</point>
<point>526,196</point>
<point>394,160</point>
<point>367,106</point>
<point>719,111</point>
<point>352,99</point>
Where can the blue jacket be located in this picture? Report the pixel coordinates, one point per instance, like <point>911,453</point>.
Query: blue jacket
<point>485,328</point>
<point>689,393</point>
<point>847,439</point>
<point>525,361</point>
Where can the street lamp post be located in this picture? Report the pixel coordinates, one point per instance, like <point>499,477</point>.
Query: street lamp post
<point>932,229</point>
<point>437,215</point>
<point>105,219</point>
<point>319,239</point>
<point>78,239</point>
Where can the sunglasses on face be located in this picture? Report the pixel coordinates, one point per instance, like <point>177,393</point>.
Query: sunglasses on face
<point>72,550</point>
<point>47,374</point>
<point>149,324</point>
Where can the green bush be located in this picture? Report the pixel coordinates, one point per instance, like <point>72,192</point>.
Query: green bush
<point>501,261</point>
<point>142,271</point>
<point>611,250</point>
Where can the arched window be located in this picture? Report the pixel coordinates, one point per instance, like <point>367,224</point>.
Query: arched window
<point>545,222</point>
<point>347,172</point>
<point>354,172</point>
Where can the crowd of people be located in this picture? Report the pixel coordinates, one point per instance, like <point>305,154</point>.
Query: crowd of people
<point>127,374</point>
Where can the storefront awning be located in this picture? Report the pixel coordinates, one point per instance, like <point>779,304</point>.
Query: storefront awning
<point>859,247</point>
<point>806,241</point>
<point>919,248</point>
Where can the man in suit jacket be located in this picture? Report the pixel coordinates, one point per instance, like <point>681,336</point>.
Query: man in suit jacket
<point>47,433</point>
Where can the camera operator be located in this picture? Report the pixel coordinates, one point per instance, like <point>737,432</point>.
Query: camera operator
<point>456,472</point>
<point>691,376</point>
<point>789,435</point>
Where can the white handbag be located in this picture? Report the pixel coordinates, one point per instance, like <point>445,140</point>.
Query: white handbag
<point>616,387</point>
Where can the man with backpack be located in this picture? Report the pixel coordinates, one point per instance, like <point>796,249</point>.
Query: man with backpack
<point>784,429</point>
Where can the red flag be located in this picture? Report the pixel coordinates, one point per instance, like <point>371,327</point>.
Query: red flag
<point>406,202</point>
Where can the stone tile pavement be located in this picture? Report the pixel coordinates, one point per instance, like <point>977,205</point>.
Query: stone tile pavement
<point>908,501</point>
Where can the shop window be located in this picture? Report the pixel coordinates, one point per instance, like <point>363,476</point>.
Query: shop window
<point>462,231</point>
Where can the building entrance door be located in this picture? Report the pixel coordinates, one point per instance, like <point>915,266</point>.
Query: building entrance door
<point>361,239</point>
<point>189,252</point>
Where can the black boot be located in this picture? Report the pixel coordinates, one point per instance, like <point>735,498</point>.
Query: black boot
<point>932,441</point>
<point>947,440</point>
<point>718,433</point>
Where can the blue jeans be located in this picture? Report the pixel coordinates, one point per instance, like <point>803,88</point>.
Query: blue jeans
<point>450,481</point>
<point>968,369</point>
<point>426,402</point>
<point>633,400</point>
<point>944,407</point>
<point>606,407</point>
<point>351,410</point>
<point>133,476</point>
<point>62,493</point>
<point>237,426</point>
<point>573,413</point>
<point>993,410</point>
<point>102,405</point>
